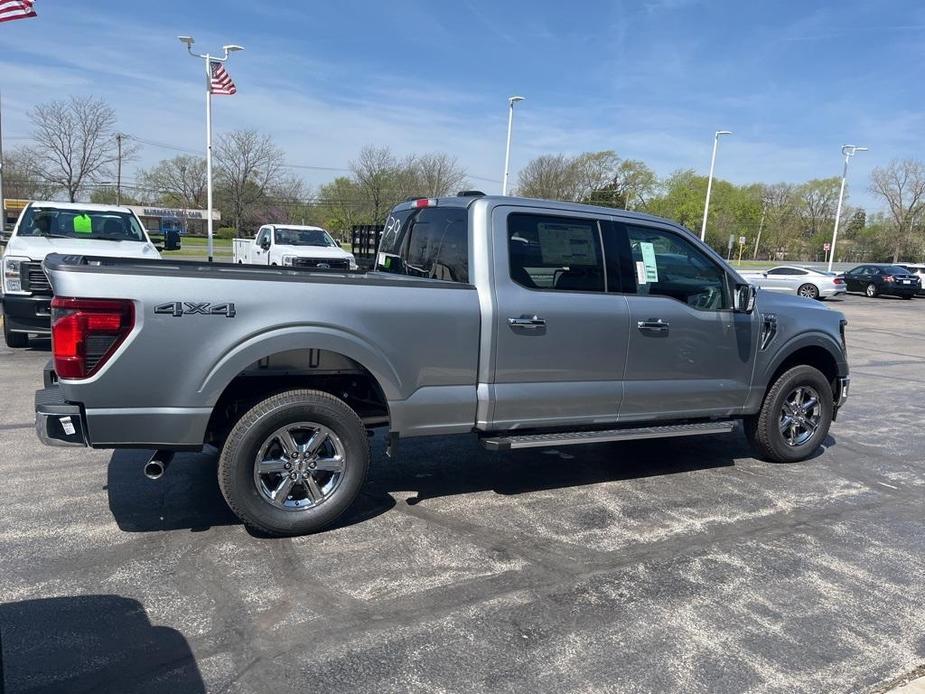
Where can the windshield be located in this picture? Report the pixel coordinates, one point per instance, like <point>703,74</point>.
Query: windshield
<point>304,237</point>
<point>81,224</point>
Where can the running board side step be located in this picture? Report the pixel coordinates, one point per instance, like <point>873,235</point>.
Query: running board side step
<point>574,438</point>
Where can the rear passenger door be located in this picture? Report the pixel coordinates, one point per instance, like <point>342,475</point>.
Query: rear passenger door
<point>689,354</point>
<point>559,336</point>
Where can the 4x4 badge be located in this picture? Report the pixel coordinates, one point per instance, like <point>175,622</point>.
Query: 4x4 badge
<point>190,308</point>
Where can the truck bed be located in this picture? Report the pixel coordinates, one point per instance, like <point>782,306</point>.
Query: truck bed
<point>419,339</point>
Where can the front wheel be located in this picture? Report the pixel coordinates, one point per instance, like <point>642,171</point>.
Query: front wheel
<point>294,462</point>
<point>794,418</point>
<point>810,291</point>
<point>871,290</point>
<point>14,340</point>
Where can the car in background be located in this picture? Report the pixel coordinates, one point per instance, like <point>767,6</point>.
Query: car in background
<point>295,246</point>
<point>803,281</point>
<point>917,269</point>
<point>883,279</point>
<point>70,229</point>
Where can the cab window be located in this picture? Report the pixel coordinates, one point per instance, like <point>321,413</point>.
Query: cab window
<point>431,242</point>
<point>262,236</point>
<point>555,253</point>
<point>665,264</point>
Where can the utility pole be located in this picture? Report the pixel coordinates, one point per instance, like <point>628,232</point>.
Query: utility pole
<point>764,212</point>
<point>119,169</point>
<point>2,201</point>
<point>849,151</point>
<point>706,204</point>
<point>507,150</point>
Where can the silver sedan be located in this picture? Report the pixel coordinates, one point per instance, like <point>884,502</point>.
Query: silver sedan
<point>804,281</point>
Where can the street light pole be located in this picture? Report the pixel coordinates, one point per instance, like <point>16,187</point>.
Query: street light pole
<point>209,59</point>
<point>507,151</point>
<point>849,151</point>
<point>706,205</point>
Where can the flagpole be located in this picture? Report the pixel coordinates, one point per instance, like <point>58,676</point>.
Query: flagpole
<point>208,60</point>
<point>2,199</point>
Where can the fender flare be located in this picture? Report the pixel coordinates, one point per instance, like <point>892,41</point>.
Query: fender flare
<point>807,339</point>
<point>263,345</point>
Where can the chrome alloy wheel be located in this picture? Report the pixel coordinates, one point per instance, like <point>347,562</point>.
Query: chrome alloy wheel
<point>299,466</point>
<point>800,415</point>
<point>809,291</point>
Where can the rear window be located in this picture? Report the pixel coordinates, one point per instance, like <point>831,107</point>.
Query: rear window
<point>894,270</point>
<point>430,242</point>
<point>80,224</point>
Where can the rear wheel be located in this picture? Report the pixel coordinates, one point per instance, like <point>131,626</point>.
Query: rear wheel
<point>14,340</point>
<point>810,291</point>
<point>294,462</point>
<point>871,290</point>
<point>794,418</point>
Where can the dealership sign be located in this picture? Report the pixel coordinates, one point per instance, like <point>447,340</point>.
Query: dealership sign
<point>173,212</point>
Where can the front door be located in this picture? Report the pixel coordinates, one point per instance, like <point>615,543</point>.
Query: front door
<point>560,337</point>
<point>689,354</point>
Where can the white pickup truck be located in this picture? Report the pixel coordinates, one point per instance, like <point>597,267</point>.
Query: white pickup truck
<point>297,246</point>
<point>66,228</point>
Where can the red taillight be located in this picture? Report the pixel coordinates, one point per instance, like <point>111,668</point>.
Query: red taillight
<point>838,280</point>
<point>888,278</point>
<point>425,202</point>
<point>85,333</point>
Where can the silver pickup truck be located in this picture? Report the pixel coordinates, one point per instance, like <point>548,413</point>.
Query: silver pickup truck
<point>524,322</point>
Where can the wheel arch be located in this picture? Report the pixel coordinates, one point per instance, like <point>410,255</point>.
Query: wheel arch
<point>815,349</point>
<point>359,373</point>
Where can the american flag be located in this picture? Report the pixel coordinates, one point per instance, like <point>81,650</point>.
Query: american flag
<point>221,81</point>
<point>16,9</point>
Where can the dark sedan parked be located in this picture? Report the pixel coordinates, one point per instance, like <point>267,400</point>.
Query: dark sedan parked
<point>875,280</point>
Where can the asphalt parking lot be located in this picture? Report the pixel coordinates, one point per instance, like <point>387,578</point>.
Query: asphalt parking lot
<point>665,566</point>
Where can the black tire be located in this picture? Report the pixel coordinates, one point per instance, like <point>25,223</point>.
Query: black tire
<point>239,457</point>
<point>871,290</point>
<point>14,340</point>
<point>810,291</point>
<point>763,430</point>
<point>907,296</point>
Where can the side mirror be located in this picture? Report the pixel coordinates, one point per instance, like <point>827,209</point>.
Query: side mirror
<point>744,298</point>
<point>265,244</point>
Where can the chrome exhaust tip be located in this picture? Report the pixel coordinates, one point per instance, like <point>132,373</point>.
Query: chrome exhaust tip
<point>154,470</point>
<point>156,467</point>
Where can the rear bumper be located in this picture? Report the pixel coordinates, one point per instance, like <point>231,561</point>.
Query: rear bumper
<point>27,314</point>
<point>58,422</point>
<point>828,292</point>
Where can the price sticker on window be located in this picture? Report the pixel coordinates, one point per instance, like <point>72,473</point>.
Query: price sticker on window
<point>648,262</point>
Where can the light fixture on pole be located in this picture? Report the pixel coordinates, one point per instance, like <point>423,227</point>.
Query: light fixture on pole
<point>507,151</point>
<point>849,151</point>
<point>706,205</point>
<point>228,49</point>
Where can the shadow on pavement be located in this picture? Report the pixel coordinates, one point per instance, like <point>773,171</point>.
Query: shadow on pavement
<point>188,496</point>
<point>99,643</point>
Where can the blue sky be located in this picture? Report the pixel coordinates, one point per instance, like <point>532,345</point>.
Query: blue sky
<point>650,79</point>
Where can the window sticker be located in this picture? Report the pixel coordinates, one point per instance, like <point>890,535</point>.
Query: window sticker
<point>648,259</point>
<point>640,272</point>
<point>564,244</point>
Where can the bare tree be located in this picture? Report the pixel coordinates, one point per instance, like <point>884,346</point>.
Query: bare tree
<point>248,165</point>
<point>178,182</point>
<point>437,174</point>
<point>817,200</point>
<point>75,141</point>
<point>22,178</point>
<point>381,178</point>
<point>902,185</point>
<point>550,176</point>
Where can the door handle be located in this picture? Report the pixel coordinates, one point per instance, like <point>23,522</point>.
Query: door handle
<point>529,322</point>
<point>653,326</point>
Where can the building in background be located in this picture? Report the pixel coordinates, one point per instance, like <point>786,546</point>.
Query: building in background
<point>156,219</point>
